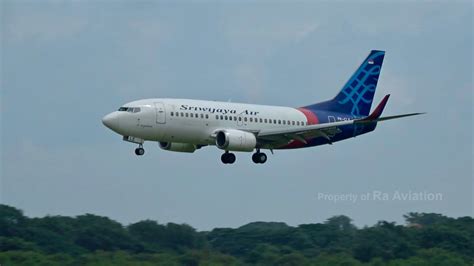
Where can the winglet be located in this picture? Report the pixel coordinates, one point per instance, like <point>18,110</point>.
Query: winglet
<point>379,109</point>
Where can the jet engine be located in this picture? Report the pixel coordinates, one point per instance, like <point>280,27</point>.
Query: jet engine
<point>235,140</point>
<point>178,147</point>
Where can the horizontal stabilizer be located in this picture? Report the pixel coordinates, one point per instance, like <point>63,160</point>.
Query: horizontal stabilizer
<point>375,116</point>
<point>397,116</point>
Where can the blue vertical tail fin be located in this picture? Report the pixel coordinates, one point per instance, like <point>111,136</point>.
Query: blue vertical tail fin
<point>356,97</point>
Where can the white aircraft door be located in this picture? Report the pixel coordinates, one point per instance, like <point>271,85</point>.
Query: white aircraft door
<point>160,113</point>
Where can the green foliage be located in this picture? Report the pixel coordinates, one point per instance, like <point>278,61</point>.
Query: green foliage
<point>427,239</point>
<point>424,219</point>
<point>384,240</point>
<point>101,233</point>
<point>12,221</point>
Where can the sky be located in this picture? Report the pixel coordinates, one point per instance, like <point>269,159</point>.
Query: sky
<point>65,64</point>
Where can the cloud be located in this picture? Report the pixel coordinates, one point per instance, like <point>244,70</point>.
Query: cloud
<point>306,30</point>
<point>402,93</point>
<point>259,38</point>
<point>42,26</point>
<point>251,79</point>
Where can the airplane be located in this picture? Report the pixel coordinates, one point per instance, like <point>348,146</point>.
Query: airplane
<point>185,125</point>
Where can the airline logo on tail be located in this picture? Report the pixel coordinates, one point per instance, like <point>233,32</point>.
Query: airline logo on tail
<point>356,96</point>
<point>360,89</point>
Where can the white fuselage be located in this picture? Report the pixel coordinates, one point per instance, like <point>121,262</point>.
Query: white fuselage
<point>183,125</point>
<point>195,121</point>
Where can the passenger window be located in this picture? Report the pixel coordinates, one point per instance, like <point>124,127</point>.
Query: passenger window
<point>187,115</point>
<point>217,117</point>
<point>284,122</point>
<point>261,120</point>
<point>240,118</point>
<point>225,117</point>
<point>171,113</point>
<point>265,120</point>
<point>182,114</point>
<point>274,121</point>
<point>202,116</point>
<point>245,119</point>
<point>222,117</point>
<point>279,122</point>
<point>235,118</point>
<point>207,116</point>
<point>293,123</point>
<point>251,119</point>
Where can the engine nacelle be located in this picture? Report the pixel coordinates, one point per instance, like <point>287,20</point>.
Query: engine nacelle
<point>178,147</point>
<point>235,140</point>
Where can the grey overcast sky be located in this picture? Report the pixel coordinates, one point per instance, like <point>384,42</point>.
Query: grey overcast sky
<point>66,64</point>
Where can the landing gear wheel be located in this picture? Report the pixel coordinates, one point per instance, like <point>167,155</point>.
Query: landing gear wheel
<point>254,158</point>
<point>259,157</point>
<point>231,158</point>
<point>262,157</point>
<point>139,151</point>
<point>228,158</point>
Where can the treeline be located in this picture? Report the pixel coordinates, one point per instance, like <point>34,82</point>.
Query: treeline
<point>427,239</point>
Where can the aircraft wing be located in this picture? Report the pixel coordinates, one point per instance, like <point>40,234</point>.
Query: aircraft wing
<point>327,130</point>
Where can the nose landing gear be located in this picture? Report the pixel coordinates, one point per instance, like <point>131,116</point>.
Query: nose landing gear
<point>140,150</point>
<point>228,158</point>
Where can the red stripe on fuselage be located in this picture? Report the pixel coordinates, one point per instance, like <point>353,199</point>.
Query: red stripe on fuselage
<point>310,116</point>
<point>312,120</point>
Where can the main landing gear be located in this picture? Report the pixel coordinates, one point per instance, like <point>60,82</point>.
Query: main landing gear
<point>140,150</point>
<point>259,157</point>
<point>228,158</point>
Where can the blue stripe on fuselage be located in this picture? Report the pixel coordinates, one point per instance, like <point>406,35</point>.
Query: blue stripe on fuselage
<point>348,131</point>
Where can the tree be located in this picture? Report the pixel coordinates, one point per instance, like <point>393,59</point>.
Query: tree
<point>384,240</point>
<point>150,233</point>
<point>101,233</point>
<point>424,219</point>
<point>12,221</point>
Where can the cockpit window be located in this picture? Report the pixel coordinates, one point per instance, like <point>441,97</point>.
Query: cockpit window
<point>129,109</point>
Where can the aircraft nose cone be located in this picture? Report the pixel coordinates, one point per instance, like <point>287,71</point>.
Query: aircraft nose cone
<point>111,121</point>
